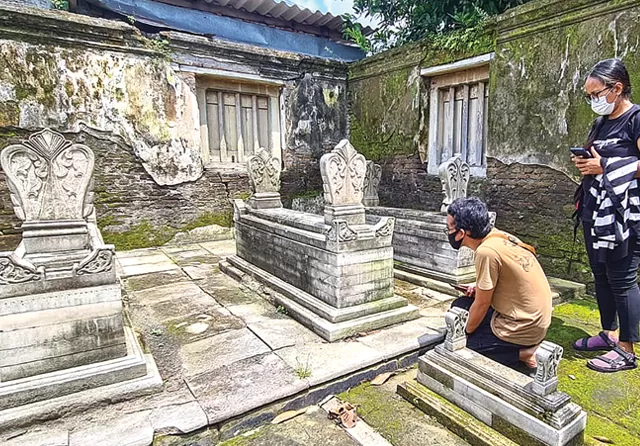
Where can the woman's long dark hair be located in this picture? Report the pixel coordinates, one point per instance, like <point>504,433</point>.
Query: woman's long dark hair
<point>610,72</point>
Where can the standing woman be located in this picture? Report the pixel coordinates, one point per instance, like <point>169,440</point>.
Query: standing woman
<point>608,203</point>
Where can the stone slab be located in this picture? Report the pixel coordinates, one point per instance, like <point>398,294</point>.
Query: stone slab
<point>221,248</point>
<point>279,333</point>
<point>336,331</point>
<point>198,272</point>
<point>172,292</point>
<point>328,361</point>
<point>403,338</point>
<point>64,382</point>
<point>219,350</point>
<point>178,419</point>
<point>138,252</point>
<point>158,257</point>
<point>237,388</point>
<point>133,429</point>
<point>146,268</point>
<point>80,401</point>
<point>456,420</point>
<point>257,312</point>
<point>48,437</point>
<point>152,280</point>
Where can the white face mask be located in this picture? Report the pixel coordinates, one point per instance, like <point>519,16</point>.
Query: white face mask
<point>601,106</point>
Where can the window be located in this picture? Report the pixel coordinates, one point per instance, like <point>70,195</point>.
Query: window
<point>458,113</point>
<point>237,119</point>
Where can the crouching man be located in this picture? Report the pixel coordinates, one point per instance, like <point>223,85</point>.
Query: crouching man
<point>510,304</point>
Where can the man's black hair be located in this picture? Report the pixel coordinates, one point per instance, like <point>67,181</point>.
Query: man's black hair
<point>471,215</point>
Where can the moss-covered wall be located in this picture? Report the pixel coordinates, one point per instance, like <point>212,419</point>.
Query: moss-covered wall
<point>543,51</point>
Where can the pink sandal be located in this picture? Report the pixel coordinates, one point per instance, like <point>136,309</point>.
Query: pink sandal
<point>614,361</point>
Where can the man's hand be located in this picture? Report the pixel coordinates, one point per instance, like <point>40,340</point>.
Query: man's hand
<point>471,290</point>
<point>588,166</point>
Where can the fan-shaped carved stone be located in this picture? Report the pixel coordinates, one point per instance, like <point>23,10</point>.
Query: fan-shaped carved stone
<point>454,174</point>
<point>343,171</point>
<point>264,172</point>
<point>49,177</point>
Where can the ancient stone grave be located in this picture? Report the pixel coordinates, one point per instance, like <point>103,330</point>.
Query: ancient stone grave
<point>62,328</point>
<point>529,411</point>
<point>420,246</point>
<point>335,272</point>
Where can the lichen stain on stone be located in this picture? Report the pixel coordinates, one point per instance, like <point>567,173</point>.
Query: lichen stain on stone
<point>138,98</point>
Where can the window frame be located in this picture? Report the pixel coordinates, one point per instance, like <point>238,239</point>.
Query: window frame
<point>466,74</point>
<point>240,86</point>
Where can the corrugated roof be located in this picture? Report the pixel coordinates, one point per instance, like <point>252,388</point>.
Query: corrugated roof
<point>284,10</point>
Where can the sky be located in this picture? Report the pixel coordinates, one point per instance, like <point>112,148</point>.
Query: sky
<point>335,7</point>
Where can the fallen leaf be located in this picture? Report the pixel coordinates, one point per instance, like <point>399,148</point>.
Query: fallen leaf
<point>572,377</point>
<point>284,416</point>
<point>602,439</point>
<point>381,379</point>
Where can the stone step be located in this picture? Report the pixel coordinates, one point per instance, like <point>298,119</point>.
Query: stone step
<point>456,420</point>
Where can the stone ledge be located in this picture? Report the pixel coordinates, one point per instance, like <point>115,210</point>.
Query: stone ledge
<point>456,420</point>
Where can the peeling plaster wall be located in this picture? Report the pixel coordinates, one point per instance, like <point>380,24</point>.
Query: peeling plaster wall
<point>133,100</point>
<point>138,98</point>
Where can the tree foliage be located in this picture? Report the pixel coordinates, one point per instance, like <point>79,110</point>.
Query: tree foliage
<point>402,21</point>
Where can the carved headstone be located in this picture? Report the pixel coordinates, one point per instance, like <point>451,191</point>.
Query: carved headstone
<point>371,183</point>
<point>49,179</point>
<point>343,171</point>
<point>454,175</point>
<point>548,357</point>
<point>456,320</point>
<point>264,174</point>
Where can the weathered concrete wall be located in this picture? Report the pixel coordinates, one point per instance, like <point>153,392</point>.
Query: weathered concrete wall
<point>543,51</point>
<point>134,100</point>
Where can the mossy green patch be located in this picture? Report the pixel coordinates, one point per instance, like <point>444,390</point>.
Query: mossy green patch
<point>612,401</point>
<point>145,234</point>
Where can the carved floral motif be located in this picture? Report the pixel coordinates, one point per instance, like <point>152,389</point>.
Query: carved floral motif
<point>48,177</point>
<point>454,175</point>
<point>264,172</point>
<point>343,171</point>
<point>100,260</point>
<point>548,357</point>
<point>384,227</point>
<point>341,232</point>
<point>456,320</point>
<point>13,271</point>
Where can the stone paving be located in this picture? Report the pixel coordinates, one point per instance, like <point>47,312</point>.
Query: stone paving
<point>229,359</point>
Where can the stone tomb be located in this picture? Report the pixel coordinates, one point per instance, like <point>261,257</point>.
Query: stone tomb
<point>333,273</point>
<point>420,246</point>
<point>529,411</point>
<point>61,321</point>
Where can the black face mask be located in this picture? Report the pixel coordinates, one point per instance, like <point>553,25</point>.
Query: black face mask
<point>455,244</point>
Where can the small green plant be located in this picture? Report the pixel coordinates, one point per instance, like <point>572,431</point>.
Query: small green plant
<point>156,332</point>
<point>62,5</point>
<point>303,370</point>
<point>282,310</point>
<point>131,19</point>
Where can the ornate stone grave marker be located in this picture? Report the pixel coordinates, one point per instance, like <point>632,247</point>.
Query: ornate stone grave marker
<point>264,174</point>
<point>61,318</point>
<point>334,272</point>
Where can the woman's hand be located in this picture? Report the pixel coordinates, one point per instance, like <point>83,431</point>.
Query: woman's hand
<point>588,166</point>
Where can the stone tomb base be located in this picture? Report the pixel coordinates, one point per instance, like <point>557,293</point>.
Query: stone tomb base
<point>14,395</point>
<point>328,322</point>
<point>501,398</point>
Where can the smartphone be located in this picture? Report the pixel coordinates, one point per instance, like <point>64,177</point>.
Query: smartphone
<point>461,288</point>
<point>581,152</point>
